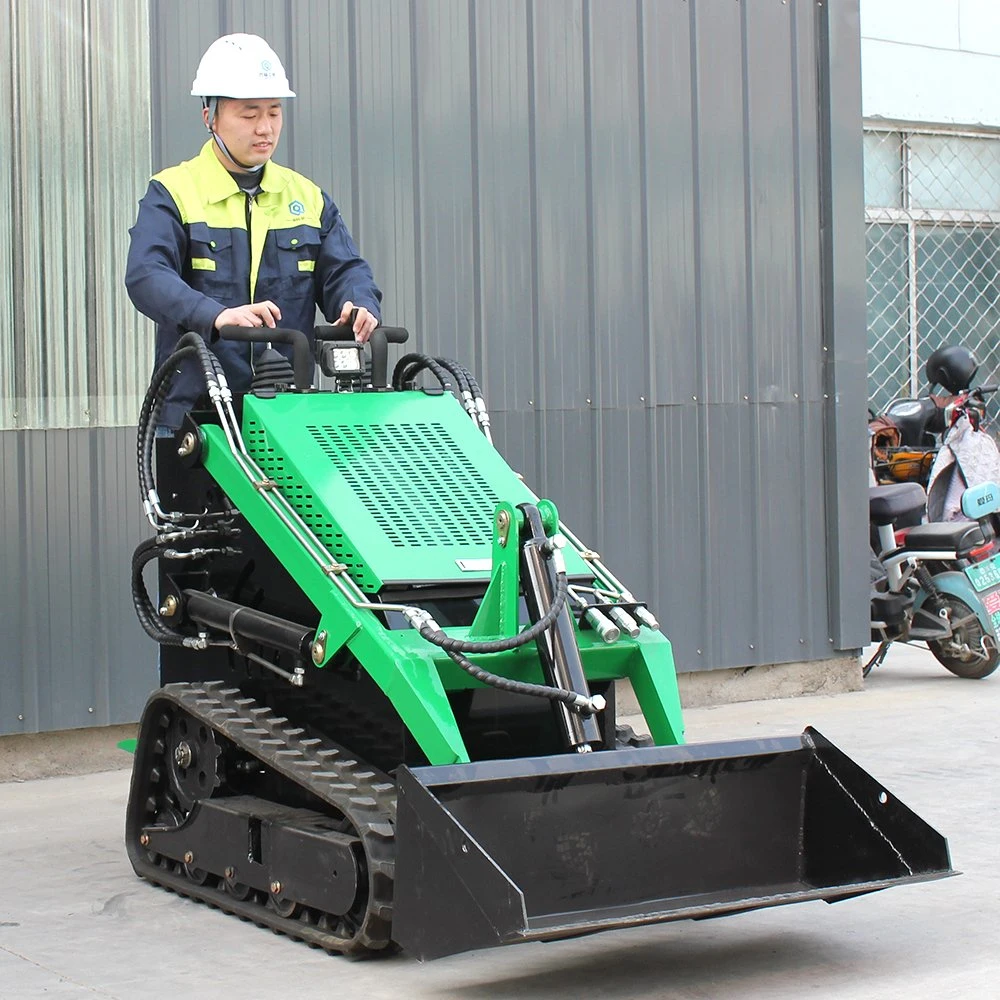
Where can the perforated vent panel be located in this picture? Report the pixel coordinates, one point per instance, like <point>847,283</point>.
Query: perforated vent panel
<point>413,480</point>
<point>302,500</point>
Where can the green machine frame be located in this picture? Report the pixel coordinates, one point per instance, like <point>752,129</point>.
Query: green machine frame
<point>431,502</point>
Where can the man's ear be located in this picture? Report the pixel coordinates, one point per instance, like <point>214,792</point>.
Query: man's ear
<point>205,112</point>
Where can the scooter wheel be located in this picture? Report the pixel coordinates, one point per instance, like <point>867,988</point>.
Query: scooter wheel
<point>965,653</point>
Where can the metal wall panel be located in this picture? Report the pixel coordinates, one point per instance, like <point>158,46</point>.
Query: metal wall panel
<point>506,248</point>
<point>384,210</point>
<point>843,318</point>
<point>74,135</point>
<point>74,156</point>
<point>559,334</point>
<point>667,93</point>
<point>72,651</point>
<point>633,219</point>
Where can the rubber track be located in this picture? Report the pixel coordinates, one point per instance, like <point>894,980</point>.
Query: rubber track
<point>375,737</point>
<point>329,772</point>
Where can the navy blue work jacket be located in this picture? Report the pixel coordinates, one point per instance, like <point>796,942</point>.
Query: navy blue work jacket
<point>193,254</point>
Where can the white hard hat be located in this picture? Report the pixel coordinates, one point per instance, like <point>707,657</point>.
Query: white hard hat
<point>240,66</point>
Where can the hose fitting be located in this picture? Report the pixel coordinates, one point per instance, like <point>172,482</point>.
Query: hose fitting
<point>602,625</point>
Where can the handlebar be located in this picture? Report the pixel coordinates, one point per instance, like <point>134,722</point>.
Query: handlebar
<point>277,335</point>
<point>391,334</point>
<point>379,342</point>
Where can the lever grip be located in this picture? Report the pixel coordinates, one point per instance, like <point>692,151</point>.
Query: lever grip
<point>277,335</point>
<point>344,333</point>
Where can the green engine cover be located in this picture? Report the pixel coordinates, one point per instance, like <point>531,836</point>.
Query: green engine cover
<point>400,487</point>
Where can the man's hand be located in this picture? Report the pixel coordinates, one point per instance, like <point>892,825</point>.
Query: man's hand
<point>364,322</point>
<point>252,314</point>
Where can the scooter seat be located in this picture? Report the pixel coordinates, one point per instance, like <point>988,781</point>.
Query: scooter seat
<point>887,504</point>
<point>947,536</point>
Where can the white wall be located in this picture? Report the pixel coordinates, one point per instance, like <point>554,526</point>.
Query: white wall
<point>931,60</point>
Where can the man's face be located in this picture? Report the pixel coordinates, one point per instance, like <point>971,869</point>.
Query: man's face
<point>250,129</point>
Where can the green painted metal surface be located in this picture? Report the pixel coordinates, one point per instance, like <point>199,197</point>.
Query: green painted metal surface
<point>399,487</point>
<point>497,615</point>
<point>402,487</point>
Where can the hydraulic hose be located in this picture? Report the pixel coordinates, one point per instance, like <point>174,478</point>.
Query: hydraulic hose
<point>476,405</point>
<point>189,345</point>
<point>451,644</point>
<point>471,395</point>
<point>458,372</point>
<point>407,368</point>
<point>477,392</point>
<point>148,618</point>
<point>455,647</point>
<point>149,414</point>
<point>413,364</point>
<point>570,698</point>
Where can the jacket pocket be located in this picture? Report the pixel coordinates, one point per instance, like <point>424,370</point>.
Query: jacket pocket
<point>209,256</point>
<point>296,250</point>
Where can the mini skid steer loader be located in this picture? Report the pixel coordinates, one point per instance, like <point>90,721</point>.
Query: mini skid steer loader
<point>387,709</point>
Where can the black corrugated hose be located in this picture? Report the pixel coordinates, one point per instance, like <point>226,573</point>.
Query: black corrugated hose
<point>411,365</point>
<point>146,552</point>
<point>189,345</point>
<point>516,687</point>
<point>450,643</point>
<point>455,647</point>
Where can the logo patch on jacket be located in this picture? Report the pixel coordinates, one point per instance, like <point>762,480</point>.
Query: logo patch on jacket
<point>297,208</point>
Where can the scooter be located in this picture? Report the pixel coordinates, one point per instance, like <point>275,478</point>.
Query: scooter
<point>906,438</point>
<point>936,582</point>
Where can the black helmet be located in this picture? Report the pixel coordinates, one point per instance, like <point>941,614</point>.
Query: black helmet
<point>951,367</point>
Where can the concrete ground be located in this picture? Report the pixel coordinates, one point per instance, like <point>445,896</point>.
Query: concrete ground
<point>75,922</point>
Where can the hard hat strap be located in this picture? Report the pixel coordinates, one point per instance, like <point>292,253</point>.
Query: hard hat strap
<point>206,102</point>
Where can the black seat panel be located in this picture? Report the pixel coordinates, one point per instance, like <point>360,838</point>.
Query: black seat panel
<point>945,536</point>
<point>887,504</point>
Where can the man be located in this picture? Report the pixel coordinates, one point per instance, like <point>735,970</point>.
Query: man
<point>232,239</point>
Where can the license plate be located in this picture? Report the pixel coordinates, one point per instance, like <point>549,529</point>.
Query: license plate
<point>985,578</point>
<point>984,575</point>
<point>991,602</point>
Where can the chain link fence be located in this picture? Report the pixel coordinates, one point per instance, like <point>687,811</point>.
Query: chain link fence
<point>932,222</point>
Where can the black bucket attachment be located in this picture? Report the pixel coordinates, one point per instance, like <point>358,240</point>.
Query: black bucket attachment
<point>499,852</point>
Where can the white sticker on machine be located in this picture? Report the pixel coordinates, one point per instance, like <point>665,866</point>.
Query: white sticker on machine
<point>474,565</point>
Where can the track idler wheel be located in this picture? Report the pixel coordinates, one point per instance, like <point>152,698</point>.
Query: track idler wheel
<point>194,760</point>
<point>235,888</point>
<point>281,905</point>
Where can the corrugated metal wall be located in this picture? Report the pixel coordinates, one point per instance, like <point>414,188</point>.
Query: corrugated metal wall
<point>74,147</point>
<point>641,223</point>
<point>74,360</point>
<point>72,653</point>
